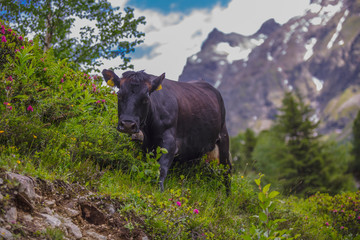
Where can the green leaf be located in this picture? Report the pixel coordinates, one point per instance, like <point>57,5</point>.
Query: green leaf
<point>273,194</point>
<point>263,217</point>
<point>257,181</point>
<point>266,188</point>
<point>262,197</point>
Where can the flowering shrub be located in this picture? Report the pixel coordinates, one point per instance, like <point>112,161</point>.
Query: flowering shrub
<point>342,210</point>
<point>71,114</point>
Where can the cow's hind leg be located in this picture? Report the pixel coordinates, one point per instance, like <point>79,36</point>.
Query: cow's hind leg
<point>224,155</point>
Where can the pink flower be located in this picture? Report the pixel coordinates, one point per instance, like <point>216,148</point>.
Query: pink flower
<point>64,75</point>
<point>327,224</point>
<point>6,103</point>
<point>62,80</point>
<point>103,100</point>
<point>31,41</point>
<point>30,108</point>
<point>9,29</point>
<point>342,227</point>
<point>22,47</point>
<point>21,38</point>
<point>98,101</point>
<point>178,203</point>
<point>45,69</point>
<point>3,38</point>
<point>9,107</point>
<point>10,78</point>
<point>17,50</point>
<point>335,211</point>
<point>358,217</point>
<point>3,31</point>
<point>196,211</point>
<point>170,199</point>
<point>8,88</point>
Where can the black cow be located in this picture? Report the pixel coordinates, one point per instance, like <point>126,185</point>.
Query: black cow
<point>187,119</point>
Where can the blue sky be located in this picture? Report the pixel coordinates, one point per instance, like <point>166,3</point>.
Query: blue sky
<point>175,30</point>
<point>184,6</point>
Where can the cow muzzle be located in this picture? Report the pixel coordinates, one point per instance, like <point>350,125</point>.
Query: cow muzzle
<point>126,126</point>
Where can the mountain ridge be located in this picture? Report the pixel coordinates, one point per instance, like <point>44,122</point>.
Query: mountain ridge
<point>317,54</point>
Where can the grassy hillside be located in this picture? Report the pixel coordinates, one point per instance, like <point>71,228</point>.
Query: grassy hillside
<point>59,123</point>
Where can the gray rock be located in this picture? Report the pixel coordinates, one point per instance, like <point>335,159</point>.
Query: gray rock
<point>50,202</point>
<point>53,221</point>
<point>145,238</point>
<point>6,234</point>
<point>71,212</point>
<point>27,218</point>
<point>110,209</point>
<point>27,185</point>
<point>73,229</point>
<point>1,197</point>
<point>96,236</point>
<point>11,215</point>
<point>1,181</point>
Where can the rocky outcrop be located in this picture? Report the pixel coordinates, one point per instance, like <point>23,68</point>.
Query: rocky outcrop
<point>37,209</point>
<point>317,54</point>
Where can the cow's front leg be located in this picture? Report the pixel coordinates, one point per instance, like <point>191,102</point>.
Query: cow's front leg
<point>165,161</point>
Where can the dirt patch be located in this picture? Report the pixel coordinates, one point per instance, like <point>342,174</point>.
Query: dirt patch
<point>37,209</point>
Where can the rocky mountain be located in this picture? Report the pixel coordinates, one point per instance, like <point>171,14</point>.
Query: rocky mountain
<point>317,54</point>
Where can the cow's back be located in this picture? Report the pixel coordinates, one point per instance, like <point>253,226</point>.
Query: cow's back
<point>200,115</point>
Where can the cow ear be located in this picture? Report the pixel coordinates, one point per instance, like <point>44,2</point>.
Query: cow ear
<point>111,78</point>
<point>156,83</point>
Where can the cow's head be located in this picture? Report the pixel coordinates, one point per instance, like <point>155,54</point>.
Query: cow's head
<point>133,97</point>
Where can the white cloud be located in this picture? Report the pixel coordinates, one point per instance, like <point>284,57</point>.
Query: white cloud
<point>177,36</point>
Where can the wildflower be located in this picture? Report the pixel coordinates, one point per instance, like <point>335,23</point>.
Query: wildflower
<point>178,203</point>
<point>34,136</point>
<point>9,107</point>
<point>30,108</point>
<point>196,211</point>
<point>170,199</point>
<point>8,88</point>
<point>31,41</point>
<point>22,47</point>
<point>98,101</point>
<point>21,38</point>
<point>358,217</point>
<point>45,69</point>
<point>6,103</point>
<point>9,29</point>
<point>3,38</point>
<point>335,211</point>
<point>1,131</point>
<point>242,176</point>
<point>10,78</point>
<point>2,31</point>
<point>18,161</point>
<point>103,100</point>
<point>62,80</point>
<point>342,227</point>
<point>327,224</point>
<point>17,50</point>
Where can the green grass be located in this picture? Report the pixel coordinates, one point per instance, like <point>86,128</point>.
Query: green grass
<point>70,135</point>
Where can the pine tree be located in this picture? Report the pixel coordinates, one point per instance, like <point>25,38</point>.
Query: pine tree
<point>356,146</point>
<point>297,129</point>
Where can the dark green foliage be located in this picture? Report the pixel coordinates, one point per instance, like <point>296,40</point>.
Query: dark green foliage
<point>109,33</point>
<point>241,149</point>
<point>292,156</point>
<point>355,168</point>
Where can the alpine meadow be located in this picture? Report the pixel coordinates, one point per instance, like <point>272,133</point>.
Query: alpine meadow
<point>66,172</point>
